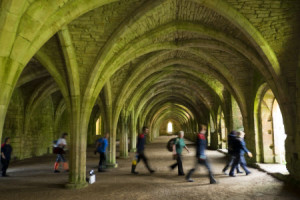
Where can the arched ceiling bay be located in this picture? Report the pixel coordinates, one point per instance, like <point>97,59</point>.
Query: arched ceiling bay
<point>167,49</point>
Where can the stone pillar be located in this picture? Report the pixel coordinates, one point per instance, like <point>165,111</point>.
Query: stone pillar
<point>4,102</point>
<point>124,138</point>
<point>214,134</point>
<point>10,71</point>
<point>111,159</point>
<point>78,139</point>
<point>249,129</point>
<point>133,133</point>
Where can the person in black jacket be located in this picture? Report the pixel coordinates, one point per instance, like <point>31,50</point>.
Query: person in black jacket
<point>239,149</point>
<point>141,141</point>
<point>201,156</point>
<point>231,137</point>
<point>6,150</point>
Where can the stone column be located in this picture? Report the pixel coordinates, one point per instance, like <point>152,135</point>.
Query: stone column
<point>249,129</point>
<point>133,133</point>
<point>111,158</point>
<point>78,139</point>
<point>124,138</point>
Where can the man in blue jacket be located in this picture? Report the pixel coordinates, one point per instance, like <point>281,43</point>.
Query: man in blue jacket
<point>239,149</point>
<point>201,156</point>
<point>141,141</point>
<point>6,150</point>
<point>101,146</point>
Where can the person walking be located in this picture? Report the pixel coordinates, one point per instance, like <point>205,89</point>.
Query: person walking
<point>141,141</point>
<point>6,150</point>
<point>239,149</point>
<point>201,158</point>
<point>61,146</point>
<point>101,147</point>
<point>177,150</point>
<point>231,137</point>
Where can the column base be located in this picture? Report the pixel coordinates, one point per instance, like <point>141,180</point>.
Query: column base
<point>124,157</point>
<point>133,150</point>
<point>111,165</point>
<point>76,185</point>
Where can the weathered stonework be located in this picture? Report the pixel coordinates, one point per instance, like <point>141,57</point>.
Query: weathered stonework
<point>136,62</point>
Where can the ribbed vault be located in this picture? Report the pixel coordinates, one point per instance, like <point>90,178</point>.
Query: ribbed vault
<point>136,63</point>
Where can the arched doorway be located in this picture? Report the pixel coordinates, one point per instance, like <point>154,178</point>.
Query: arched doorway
<point>270,129</point>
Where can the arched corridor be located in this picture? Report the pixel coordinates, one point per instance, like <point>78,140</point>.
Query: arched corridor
<point>120,184</point>
<point>92,67</point>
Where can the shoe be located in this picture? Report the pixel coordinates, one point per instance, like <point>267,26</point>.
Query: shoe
<point>152,171</point>
<point>213,181</point>
<point>189,180</point>
<point>224,172</point>
<point>239,172</point>
<point>171,168</point>
<point>232,175</point>
<point>181,174</point>
<point>247,173</point>
<point>5,175</point>
<point>56,171</point>
<point>134,172</point>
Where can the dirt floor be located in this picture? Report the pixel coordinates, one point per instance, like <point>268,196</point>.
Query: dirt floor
<point>34,179</point>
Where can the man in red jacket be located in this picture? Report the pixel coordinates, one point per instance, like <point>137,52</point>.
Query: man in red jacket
<point>201,156</point>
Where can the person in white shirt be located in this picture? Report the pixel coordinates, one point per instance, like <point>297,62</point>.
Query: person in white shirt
<point>61,146</point>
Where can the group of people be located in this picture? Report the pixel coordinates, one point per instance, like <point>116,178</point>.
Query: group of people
<point>201,158</point>
<point>236,150</point>
<point>178,147</point>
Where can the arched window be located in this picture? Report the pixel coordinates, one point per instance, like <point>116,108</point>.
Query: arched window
<point>98,126</point>
<point>170,127</point>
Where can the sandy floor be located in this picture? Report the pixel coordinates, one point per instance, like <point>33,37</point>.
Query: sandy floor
<point>34,179</point>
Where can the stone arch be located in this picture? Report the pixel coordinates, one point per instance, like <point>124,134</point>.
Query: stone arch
<point>268,144</point>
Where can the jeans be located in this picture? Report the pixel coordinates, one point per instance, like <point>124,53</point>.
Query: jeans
<point>239,159</point>
<point>60,157</point>
<point>141,156</point>
<point>201,162</point>
<point>5,164</point>
<point>102,162</point>
<point>230,163</point>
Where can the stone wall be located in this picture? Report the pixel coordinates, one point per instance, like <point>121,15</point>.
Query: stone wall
<point>37,139</point>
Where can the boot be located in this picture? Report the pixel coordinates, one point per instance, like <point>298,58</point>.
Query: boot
<point>212,179</point>
<point>238,171</point>
<point>56,165</point>
<point>101,168</point>
<point>188,176</point>
<point>133,169</point>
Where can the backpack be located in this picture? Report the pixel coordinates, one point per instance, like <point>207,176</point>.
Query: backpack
<point>56,149</point>
<point>170,144</point>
